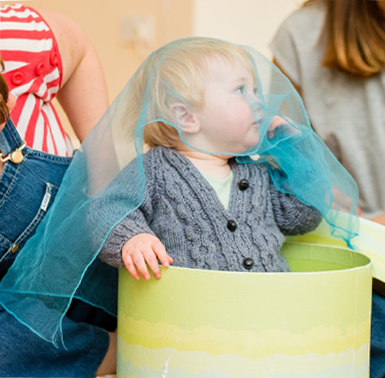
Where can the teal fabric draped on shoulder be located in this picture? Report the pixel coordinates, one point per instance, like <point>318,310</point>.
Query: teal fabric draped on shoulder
<point>168,95</point>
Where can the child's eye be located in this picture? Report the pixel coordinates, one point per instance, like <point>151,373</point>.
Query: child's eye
<point>241,89</point>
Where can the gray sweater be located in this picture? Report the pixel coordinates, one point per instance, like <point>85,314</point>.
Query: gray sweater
<point>346,112</point>
<point>183,211</point>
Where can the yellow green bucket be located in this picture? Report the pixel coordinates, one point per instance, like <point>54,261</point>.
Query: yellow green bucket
<point>313,322</point>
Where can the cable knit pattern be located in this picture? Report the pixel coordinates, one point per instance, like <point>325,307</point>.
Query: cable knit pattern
<point>183,211</point>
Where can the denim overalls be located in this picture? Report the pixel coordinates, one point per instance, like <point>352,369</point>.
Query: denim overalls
<point>27,189</point>
<point>377,339</point>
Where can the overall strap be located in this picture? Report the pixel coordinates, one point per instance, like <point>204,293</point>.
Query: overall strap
<point>9,138</point>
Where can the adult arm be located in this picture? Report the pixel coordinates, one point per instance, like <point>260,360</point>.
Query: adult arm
<point>108,365</point>
<point>83,93</point>
<point>379,219</point>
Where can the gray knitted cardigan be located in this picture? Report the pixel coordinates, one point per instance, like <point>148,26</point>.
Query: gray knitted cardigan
<point>183,211</point>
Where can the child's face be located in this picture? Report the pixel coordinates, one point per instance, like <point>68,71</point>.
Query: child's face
<point>228,123</point>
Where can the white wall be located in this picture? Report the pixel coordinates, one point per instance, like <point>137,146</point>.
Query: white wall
<point>247,22</point>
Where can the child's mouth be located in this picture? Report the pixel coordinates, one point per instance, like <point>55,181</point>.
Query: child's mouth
<point>258,122</point>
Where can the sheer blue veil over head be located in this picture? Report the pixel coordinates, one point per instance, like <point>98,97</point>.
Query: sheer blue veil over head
<point>106,180</point>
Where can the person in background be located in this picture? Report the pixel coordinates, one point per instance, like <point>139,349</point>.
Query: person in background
<point>45,55</point>
<point>334,54</point>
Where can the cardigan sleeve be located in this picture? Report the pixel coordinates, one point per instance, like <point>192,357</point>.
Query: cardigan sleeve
<point>124,199</point>
<point>292,216</point>
<point>133,224</point>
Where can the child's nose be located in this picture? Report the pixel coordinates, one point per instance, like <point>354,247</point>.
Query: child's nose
<point>257,110</point>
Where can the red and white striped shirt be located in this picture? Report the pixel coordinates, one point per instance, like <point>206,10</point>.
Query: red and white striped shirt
<point>33,72</point>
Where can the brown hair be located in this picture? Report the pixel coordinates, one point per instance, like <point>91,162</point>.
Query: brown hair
<point>355,36</point>
<point>4,93</point>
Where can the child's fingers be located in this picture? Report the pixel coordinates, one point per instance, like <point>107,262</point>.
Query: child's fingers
<point>129,264</point>
<point>138,259</point>
<point>162,254</point>
<point>152,261</point>
<point>276,122</point>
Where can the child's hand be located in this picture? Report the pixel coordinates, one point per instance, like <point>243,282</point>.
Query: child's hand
<point>341,201</point>
<point>279,121</point>
<point>142,249</point>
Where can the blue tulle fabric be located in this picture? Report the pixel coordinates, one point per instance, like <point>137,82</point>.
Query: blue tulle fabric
<point>60,261</point>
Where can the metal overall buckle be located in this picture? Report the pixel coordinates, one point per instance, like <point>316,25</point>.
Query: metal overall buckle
<point>15,156</point>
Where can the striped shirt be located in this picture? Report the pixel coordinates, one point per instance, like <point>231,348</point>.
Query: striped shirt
<point>33,72</point>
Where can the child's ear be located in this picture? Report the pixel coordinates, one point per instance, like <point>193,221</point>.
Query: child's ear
<point>185,118</point>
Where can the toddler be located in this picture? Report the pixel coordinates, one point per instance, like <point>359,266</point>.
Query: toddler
<point>201,207</point>
<point>233,165</point>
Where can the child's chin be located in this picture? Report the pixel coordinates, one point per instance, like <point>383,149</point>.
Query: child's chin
<point>252,145</point>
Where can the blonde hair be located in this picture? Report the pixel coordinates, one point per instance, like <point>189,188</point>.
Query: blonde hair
<point>355,36</point>
<point>176,73</point>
